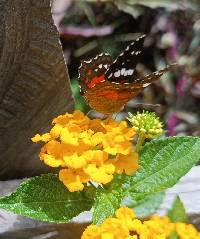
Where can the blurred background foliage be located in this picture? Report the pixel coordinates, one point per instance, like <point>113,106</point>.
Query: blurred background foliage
<point>90,27</point>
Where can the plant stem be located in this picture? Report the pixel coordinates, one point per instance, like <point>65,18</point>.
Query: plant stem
<point>140,142</point>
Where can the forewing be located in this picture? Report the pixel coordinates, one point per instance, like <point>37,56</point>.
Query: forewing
<point>92,72</point>
<point>148,79</point>
<point>123,68</point>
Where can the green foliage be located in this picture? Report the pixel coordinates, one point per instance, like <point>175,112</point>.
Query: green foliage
<point>80,103</point>
<point>106,204</point>
<point>46,198</point>
<point>177,213</point>
<point>162,163</point>
<point>145,206</point>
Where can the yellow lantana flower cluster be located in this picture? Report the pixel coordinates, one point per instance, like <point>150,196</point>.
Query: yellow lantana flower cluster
<point>126,226</point>
<point>88,149</point>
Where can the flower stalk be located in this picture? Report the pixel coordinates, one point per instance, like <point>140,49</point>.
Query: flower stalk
<point>140,143</point>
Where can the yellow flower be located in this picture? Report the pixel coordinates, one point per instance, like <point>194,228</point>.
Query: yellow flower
<point>45,138</point>
<point>92,231</point>
<point>114,144</point>
<point>186,231</point>
<point>126,226</point>
<point>55,131</point>
<point>125,213</point>
<point>107,236</point>
<point>51,154</point>
<point>73,179</point>
<point>88,149</point>
<point>165,225</point>
<point>115,227</point>
<point>74,161</point>
<point>125,163</point>
<point>51,161</point>
<point>103,174</point>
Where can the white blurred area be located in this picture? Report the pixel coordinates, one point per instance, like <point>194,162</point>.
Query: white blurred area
<point>59,8</point>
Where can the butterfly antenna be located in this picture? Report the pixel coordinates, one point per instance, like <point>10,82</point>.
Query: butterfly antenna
<point>146,106</point>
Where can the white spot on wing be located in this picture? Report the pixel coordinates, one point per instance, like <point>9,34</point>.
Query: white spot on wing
<point>123,70</point>
<point>80,66</point>
<point>100,66</point>
<point>88,61</point>
<point>130,72</point>
<point>137,53</point>
<point>117,73</point>
<point>158,73</point>
<point>117,83</point>
<point>145,85</point>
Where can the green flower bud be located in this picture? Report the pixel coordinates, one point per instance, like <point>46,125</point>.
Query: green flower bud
<point>146,124</point>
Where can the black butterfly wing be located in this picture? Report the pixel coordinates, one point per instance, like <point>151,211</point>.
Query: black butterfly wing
<point>148,79</point>
<point>90,71</point>
<point>123,68</point>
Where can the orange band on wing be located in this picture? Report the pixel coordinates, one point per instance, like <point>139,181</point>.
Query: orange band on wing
<point>95,81</point>
<point>113,95</point>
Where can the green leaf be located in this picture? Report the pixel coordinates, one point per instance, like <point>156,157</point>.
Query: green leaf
<point>106,203</point>
<point>145,206</point>
<point>162,163</point>
<point>177,213</point>
<point>46,198</point>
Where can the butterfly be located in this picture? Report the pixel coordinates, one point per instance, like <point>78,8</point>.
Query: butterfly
<point>108,85</point>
